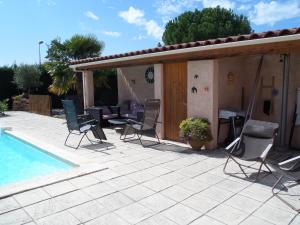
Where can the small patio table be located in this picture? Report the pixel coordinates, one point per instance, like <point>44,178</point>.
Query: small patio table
<point>120,126</point>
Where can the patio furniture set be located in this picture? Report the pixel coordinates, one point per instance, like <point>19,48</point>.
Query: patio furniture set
<point>129,125</point>
<point>254,143</point>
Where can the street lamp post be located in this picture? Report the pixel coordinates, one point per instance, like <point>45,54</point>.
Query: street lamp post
<point>40,42</point>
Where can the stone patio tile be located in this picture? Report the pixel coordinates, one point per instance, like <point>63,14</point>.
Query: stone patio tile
<point>157,202</point>
<point>252,220</point>
<point>105,175</point>
<point>64,218</point>
<point>138,192</point>
<point>217,194</point>
<point>209,178</point>
<point>134,158</point>
<point>30,223</point>
<point>274,215</point>
<point>84,181</point>
<point>157,220</point>
<point>72,199</point>
<point>157,171</point>
<point>18,216</point>
<point>108,219</point>
<point>140,176</point>
<point>33,196</point>
<point>8,204</point>
<point>257,193</point>
<point>194,185</point>
<point>59,188</point>
<point>142,164</point>
<point>243,203</point>
<point>174,178</point>
<point>231,185</point>
<point>205,220</point>
<point>157,184</point>
<point>200,203</point>
<point>114,201</point>
<point>181,214</point>
<point>296,220</point>
<point>177,193</point>
<point>227,214</point>
<point>134,213</point>
<point>180,163</point>
<point>121,183</point>
<point>124,169</point>
<point>191,171</point>
<point>88,211</point>
<point>99,190</point>
<point>277,203</point>
<point>43,208</point>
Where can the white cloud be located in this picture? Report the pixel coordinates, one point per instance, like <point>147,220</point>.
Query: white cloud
<point>48,2</point>
<point>168,7</point>
<point>112,33</point>
<point>272,12</point>
<point>137,17</point>
<point>227,4</point>
<point>91,15</point>
<point>139,37</point>
<point>133,16</point>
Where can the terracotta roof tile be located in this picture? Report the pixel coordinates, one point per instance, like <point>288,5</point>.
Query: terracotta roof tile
<point>244,37</point>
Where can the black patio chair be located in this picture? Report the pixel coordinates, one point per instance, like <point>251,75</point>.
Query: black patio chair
<point>254,144</point>
<point>289,169</point>
<point>147,124</point>
<point>80,125</point>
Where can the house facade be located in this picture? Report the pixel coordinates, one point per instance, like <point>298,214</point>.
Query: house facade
<point>199,79</point>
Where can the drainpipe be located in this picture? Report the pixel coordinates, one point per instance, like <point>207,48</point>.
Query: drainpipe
<point>285,58</point>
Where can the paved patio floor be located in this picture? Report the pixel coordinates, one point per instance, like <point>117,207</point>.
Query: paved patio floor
<point>166,184</point>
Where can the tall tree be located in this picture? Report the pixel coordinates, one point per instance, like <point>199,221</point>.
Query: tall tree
<point>205,24</point>
<point>61,53</point>
<point>27,77</point>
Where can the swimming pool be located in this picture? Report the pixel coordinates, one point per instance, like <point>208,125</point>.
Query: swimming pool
<point>21,161</point>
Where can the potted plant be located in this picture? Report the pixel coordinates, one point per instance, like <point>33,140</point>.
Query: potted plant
<point>3,107</point>
<point>196,131</point>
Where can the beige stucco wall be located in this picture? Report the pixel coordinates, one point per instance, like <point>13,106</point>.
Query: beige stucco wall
<point>204,103</point>
<point>132,84</point>
<point>158,94</point>
<point>88,88</point>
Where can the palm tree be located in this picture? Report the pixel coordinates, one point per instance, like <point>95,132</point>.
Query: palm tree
<point>60,54</point>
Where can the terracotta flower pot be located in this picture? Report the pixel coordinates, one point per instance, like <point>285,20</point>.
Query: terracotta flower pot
<point>196,144</point>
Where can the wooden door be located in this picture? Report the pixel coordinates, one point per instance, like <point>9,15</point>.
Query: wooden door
<point>175,98</point>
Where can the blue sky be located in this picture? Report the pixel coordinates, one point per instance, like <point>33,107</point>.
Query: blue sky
<point>124,25</point>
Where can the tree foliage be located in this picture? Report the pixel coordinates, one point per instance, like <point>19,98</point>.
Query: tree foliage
<point>206,24</point>
<point>61,53</point>
<point>27,77</point>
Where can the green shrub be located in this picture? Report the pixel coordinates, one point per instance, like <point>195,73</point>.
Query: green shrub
<point>197,128</point>
<point>27,77</point>
<point>3,106</point>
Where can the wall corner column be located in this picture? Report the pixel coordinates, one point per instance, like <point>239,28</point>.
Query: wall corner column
<point>88,88</point>
<point>205,102</point>
<point>158,94</point>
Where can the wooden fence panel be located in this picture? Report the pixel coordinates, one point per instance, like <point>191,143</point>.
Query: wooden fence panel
<point>40,104</point>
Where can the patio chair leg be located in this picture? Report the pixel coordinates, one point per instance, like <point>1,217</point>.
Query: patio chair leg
<point>80,140</point>
<point>157,137</point>
<point>241,168</point>
<point>284,201</point>
<point>67,139</point>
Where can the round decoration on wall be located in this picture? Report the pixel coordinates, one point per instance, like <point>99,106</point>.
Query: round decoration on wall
<point>149,75</point>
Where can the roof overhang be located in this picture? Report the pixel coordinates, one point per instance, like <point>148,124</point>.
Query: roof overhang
<point>281,45</point>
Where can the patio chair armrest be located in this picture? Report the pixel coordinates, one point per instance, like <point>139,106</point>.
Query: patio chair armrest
<point>232,144</point>
<point>290,164</point>
<point>130,121</point>
<point>265,153</point>
<point>93,121</point>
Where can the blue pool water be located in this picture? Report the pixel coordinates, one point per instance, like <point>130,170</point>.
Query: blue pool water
<point>21,161</point>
